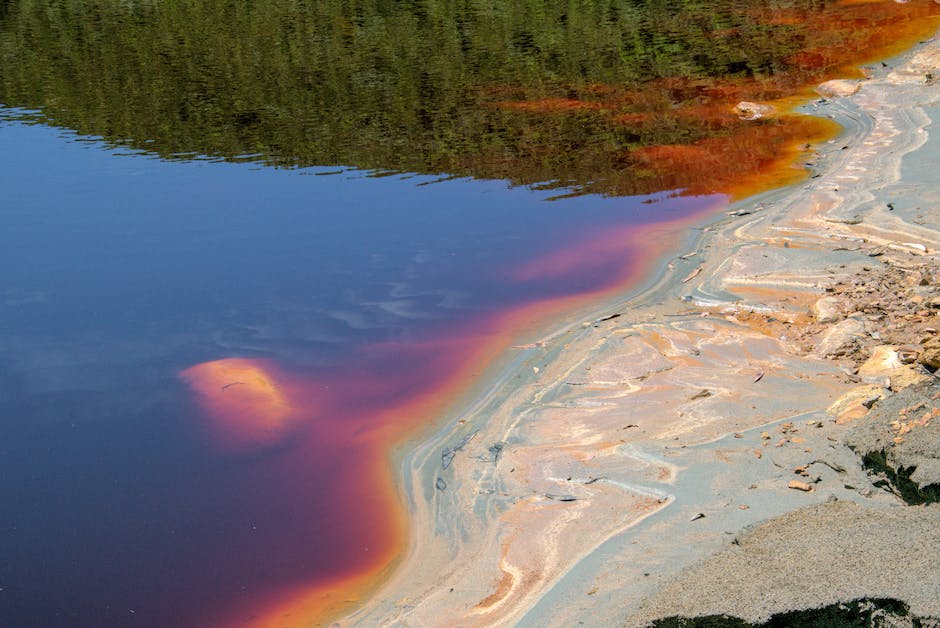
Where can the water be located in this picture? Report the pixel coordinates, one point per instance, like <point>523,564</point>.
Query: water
<point>225,292</point>
<point>121,272</point>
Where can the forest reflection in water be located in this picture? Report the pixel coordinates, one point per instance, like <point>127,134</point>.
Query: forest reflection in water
<point>619,97</point>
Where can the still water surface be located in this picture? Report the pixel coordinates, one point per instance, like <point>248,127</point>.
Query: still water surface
<point>121,272</point>
<point>224,292</point>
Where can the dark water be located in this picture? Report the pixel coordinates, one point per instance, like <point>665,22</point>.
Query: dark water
<point>189,183</point>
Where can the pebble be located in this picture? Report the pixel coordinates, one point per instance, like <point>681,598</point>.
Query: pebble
<point>800,486</point>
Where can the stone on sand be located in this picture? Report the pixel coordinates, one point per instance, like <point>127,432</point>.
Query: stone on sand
<point>838,88</point>
<point>885,363</point>
<point>828,310</point>
<point>856,403</point>
<point>840,338</point>
<point>753,110</point>
<point>931,353</point>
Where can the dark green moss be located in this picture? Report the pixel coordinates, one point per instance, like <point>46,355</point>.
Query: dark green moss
<point>900,481</point>
<point>863,613</point>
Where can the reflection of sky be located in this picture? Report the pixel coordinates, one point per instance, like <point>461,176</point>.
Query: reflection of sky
<point>136,249</point>
<point>116,273</point>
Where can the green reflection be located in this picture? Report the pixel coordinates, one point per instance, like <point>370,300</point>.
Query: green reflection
<point>417,85</point>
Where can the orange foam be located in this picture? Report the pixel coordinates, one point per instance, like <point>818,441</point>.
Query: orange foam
<point>244,402</point>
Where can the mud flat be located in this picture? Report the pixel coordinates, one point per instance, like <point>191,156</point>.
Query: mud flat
<point>686,452</point>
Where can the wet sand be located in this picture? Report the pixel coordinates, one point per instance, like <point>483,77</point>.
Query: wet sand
<point>624,447</point>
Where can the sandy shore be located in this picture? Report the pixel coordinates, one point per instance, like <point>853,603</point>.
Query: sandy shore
<point>616,462</point>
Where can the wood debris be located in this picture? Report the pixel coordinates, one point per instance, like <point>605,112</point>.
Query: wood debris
<point>692,275</point>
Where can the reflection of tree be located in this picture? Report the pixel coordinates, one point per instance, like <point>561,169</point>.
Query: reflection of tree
<point>527,90</point>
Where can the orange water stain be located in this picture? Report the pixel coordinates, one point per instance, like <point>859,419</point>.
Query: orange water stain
<point>766,151</point>
<point>374,517</point>
<point>601,251</point>
<point>368,435</point>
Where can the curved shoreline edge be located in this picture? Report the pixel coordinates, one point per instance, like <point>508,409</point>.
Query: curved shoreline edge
<point>578,495</point>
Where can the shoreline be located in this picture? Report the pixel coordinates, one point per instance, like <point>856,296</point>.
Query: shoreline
<point>549,453</point>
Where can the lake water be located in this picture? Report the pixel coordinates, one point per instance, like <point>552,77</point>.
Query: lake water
<point>124,271</point>
<point>225,291</point>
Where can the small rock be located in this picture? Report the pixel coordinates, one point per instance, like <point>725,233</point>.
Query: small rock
<point>908,355</point>
<point>800,486</point>
<point>915,245</point>
<point>838,88</point>
<point>828,310</point>
<point>886,362</point>
<point>752,110</point>
<point>931,354</point>
<point>839,338</point>
<point>855,404</point>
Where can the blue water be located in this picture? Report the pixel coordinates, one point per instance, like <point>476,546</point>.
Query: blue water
<point>259,259</point>
<point>117,270</point>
